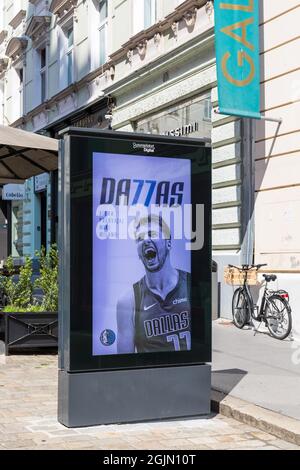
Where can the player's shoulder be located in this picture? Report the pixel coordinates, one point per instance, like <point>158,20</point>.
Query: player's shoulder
<point>126,299</point>
<point>184,274</point>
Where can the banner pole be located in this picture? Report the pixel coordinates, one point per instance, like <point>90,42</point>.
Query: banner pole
<point>262,118</point>
<point>266,118</point>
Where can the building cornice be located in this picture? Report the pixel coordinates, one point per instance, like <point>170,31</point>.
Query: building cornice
<point>187,11</point>
<point>3,35</point>
<point>37,26</point>
<point>162,63</point>
<point>3,64</point>
<point>184,9</point>
<point>17,19</point>
<point>103,78</point>
<point>61,8</point>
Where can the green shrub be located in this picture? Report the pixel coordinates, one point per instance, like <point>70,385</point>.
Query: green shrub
<point>19,293</point>
<point>48,279</point>
<point>29,308</point>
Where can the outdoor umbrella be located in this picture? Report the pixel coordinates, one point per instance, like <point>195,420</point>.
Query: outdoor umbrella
<point>24,154</point>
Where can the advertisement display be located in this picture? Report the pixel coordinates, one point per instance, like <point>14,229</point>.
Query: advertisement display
<point>141,287</point>
<point>139,231</point>
<point>135,277</point>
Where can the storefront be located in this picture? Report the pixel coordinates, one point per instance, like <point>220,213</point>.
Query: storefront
<point>89,117</point>
<point>190,118</point>
<point>34,219</point>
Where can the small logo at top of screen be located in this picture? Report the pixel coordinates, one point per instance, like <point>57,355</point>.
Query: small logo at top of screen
<point>147,148</point>
<point>107,337</point>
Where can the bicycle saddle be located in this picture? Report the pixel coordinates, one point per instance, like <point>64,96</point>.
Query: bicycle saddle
<point>270,277</point>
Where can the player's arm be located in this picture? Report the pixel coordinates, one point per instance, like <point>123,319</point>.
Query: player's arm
<point>125,323</point>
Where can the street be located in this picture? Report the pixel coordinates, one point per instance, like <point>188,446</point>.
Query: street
<point>258,369</point>
<point>28,390</point>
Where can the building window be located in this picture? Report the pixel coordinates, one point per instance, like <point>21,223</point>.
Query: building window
<point>70,53</point>
<point>191,118</point>
<point>149,13</point>
<point>103,10</point>
<point>20,74</point>
<point>43,67</point>
<point>144,14</point>
<point>207,110</point>
<point>103,15</point>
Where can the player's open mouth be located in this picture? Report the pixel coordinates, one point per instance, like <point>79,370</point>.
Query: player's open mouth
<point>149,254</point>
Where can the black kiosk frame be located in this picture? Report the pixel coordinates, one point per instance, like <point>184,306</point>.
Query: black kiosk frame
<point>118,388</point>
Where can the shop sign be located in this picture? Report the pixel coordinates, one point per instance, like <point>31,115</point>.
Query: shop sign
<point>90,120</point>
<point>237,54</point>
<point>13,192</point>
<point>41,182</point>
<point>192,119</point>
<point>184,130</point>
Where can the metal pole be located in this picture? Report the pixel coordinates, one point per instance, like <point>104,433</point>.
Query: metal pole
<point>265,118</point>
<point>262,118</point>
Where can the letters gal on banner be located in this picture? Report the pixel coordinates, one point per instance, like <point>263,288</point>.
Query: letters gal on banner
<point>237,52</point>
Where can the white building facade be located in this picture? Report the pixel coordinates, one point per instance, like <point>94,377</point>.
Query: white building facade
<point>151,63</point>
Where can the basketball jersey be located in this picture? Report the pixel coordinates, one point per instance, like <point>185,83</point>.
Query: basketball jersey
<point>163,325</point>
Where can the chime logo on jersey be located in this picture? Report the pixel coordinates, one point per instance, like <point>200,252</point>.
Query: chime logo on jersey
<point>166,324</point>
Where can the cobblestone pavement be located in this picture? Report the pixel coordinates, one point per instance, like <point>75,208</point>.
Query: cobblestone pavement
<point>28,397</point>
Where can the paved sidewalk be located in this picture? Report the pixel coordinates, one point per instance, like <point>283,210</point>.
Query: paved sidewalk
<point>258,369</point>
<point>28,395</point>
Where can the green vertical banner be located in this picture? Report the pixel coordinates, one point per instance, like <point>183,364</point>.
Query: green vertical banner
<point>237,53</point>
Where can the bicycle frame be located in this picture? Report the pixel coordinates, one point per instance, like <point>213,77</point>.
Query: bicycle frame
<point>269,311</point>
<point>261,315</point>
<point>264,299</point>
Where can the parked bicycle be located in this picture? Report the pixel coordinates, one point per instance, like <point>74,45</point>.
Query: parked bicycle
<point>274,310</point>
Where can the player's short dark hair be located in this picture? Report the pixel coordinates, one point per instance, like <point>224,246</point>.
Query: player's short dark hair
<point>154,218</point>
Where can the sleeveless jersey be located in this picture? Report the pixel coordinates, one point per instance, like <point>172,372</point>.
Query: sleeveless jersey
<point>163,325</point>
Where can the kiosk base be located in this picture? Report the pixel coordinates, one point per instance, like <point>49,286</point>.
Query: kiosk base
<point>123,396</point>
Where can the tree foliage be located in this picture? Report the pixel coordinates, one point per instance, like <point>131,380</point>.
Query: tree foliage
<point>48,279</point>
<point>19,289</point>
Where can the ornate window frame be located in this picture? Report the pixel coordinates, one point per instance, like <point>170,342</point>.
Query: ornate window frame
<point>63,9</point>
<point>3,35</point>
<point>38,27</point>
<point>16,48</point>
<point>17,19</point>
<point>3,65</point>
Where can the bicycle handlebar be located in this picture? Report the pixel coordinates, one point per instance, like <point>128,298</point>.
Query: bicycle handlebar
<point>247,267</point>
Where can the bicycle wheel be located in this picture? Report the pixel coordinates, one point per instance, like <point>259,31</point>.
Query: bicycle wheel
<point>240,308</point>
<point>278,317</point>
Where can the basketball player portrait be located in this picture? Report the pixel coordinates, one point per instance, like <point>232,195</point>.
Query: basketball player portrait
<point>154,315</point>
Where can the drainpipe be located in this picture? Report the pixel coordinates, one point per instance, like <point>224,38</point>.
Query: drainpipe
<point>247,190</point>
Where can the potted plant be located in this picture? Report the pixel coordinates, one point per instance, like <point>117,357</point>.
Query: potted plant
<point>31,321</point>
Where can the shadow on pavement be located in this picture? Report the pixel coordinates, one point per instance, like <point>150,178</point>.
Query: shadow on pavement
<point>226,380</point>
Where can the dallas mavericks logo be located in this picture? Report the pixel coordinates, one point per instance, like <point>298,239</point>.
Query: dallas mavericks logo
<point>107,337</point>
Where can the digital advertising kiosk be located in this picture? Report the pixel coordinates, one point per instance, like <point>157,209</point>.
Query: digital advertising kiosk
<point>135,277</point>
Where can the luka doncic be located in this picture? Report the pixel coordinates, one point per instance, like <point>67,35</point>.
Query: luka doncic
<point>155,314</point>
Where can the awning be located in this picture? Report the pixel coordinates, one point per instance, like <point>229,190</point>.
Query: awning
<point>24,154</point>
